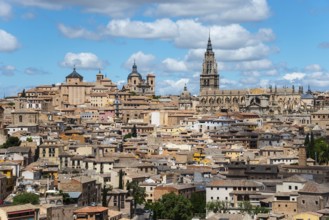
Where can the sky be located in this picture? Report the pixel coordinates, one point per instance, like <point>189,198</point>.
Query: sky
<point>257,42</point>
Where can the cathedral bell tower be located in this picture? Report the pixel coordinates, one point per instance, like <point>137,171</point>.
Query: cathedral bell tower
<point>209,78</point>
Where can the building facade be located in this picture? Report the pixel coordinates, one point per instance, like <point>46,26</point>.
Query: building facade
<point>258,100</point>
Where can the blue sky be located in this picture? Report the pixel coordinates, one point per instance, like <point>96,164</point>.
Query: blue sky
<point>257,42</point>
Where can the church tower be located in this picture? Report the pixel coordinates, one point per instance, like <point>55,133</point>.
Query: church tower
<point>209,78</point>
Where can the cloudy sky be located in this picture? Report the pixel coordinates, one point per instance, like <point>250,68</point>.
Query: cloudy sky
<point>257,42</point>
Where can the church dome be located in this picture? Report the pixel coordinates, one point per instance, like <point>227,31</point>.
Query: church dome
<point>135,73</point>
<point>74,75</point>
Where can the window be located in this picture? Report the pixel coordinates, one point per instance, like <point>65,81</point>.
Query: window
<point>211,198</point>
<point>296,187</point>
<point>316,202</point>
<point>20,118</point>
<point>303,201</point>
<point>290,187</point>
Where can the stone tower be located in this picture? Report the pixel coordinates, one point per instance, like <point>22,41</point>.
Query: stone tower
<point>209,78</point>
<point>302,156</point>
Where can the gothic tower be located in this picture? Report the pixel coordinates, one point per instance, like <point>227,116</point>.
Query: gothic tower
<point>209,78</point>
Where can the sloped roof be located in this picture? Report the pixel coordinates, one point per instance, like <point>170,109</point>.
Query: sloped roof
<point>91,209</point>
<point>74,74</point>
<point>314,188</point>
<point>295,179</point>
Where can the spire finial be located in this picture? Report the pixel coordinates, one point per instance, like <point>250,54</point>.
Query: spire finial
<point>134,67</point>
<point>209,46</point>
<point>99,70</point>
<point>74,67</point>
<point>185,88</point>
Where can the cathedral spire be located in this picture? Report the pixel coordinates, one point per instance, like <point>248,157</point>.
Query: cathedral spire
<point>209,46</point>
<point>185,88</point>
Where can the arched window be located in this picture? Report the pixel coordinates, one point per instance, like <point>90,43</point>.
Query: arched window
<point>20,118</point>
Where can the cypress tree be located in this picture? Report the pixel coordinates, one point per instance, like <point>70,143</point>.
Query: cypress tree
<point>311,146</point>
<point>307,145</point>
<point>134,131</point>
<point>120,179</point>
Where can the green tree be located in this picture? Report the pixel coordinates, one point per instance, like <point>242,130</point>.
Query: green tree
<point>36,153</point>
<point>259,209</point>
<point>25,198</point>
<point>11,142</point>
<point>104,195</point>
<point>246,207</point>
<point>198,200</point>
<point>172,206</point>
<point>23,93</point>
<point>307,145</point>
<point>134,131</point>
<point>121,179</point>
<point>137,192</point>
<point>29,139</point>
<point>312,147</point>
<point>127,136</point>
<point>217,206</point>
<point>67,199</point>
<point>321,148</point>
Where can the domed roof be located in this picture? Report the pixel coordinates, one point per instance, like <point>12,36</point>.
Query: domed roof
<point>75,74</point>
<point>135,73</point>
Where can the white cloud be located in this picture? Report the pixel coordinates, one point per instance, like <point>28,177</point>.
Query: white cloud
<point>255,64</point>
<point>313,68</point>
<point>162,28</point>
<point>252,74</point>
<point>172,65</point>
<point>249,81</point>
<point>245,53</point>
<point>82,60</point>
<point>272,72</point>
<point>8,42</point>
<point>77,32</point>
<point>264,83</point>
<point>265,34</point>
<point>214,10</point>
<point>294,76</point>
<point>187,33</point>
<point>5,9</point>
<point>227,82</point>
<point>35,71</point>
<point>143,61</point>
<point>121,82</point>
<point>7,70</point>
<point>170,87</point>
<point>208,10</point>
